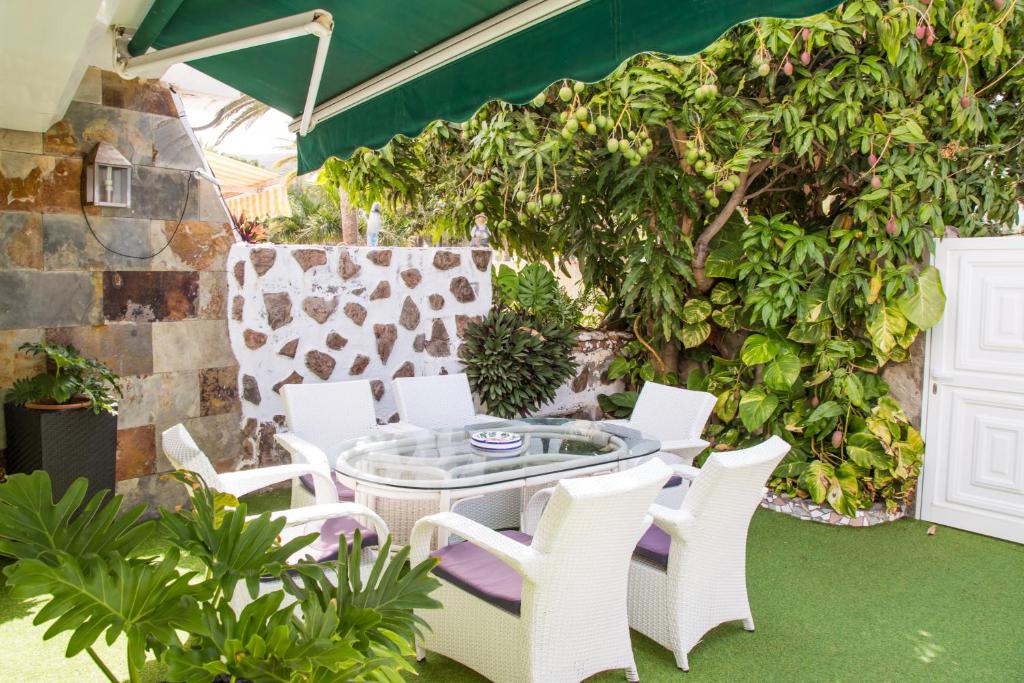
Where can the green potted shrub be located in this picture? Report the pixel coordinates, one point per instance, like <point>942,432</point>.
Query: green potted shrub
<point>64,420</point>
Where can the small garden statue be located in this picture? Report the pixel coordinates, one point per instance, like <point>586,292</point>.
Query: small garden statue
<point>373,223</point>
<point>479,234</point>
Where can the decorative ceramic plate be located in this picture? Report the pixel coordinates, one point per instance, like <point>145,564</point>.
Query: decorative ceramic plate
<point>497,443</point>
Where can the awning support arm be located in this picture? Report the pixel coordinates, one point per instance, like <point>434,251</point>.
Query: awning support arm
<point>317,23</point>
<point>497,28</point>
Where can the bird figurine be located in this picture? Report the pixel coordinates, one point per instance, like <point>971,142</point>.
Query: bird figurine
<point>373,223</point>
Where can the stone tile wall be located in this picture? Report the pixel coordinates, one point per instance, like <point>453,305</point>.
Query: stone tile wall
<point>330,314</point>
<point>158,322</point>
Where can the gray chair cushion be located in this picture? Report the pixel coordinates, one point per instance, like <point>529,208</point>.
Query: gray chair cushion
<point>476,571</point>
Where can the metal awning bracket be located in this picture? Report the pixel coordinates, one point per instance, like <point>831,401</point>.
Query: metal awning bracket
<point>318,23</point>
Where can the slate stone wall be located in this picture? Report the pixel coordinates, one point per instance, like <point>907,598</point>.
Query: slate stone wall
<point>329,314</point>
<point>158,322</point>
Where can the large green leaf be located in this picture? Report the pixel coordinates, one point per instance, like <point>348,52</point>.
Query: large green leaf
<point>756,406</point>
<point>781,373</point>
<point>864,449</point>
<point>817,479</point>
<point>757,349</point>
<point>726,405</point>
<point>924,305</point>
<point>696,310</point>
<point>695,335</point>
<point>885,325</point>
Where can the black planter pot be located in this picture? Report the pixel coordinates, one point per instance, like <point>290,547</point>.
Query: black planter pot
<point>66,443</point>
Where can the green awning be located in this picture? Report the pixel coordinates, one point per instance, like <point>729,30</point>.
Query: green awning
<point>583,40</point>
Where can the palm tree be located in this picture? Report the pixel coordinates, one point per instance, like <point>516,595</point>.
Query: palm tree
<point>316,217</point>
<point>242,112</point>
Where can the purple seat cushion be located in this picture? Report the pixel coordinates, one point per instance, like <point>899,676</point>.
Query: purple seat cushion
<point>673,481</point>
<point>344,492</point>
<point>653,546</point>
<point>476,571</point>
<point>328,545</point>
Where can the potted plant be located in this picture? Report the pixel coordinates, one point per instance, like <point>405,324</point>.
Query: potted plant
<point>64,420</point>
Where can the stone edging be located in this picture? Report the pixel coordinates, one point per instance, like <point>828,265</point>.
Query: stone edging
<point>801,508</point>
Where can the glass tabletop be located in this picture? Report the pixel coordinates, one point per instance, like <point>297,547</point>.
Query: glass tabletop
<point>488,453</point>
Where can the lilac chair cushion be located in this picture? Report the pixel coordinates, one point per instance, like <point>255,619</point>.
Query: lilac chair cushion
<point>673,481</point>
<point>653,546</point>
<point>327,546</point>
<point>476,571</point>
<point>344,492</point>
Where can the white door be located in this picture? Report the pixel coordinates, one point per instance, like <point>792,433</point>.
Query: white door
<point>973,473</point>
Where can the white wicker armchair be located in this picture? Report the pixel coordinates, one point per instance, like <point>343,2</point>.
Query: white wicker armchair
<point>437,402</point>
<point>549,608</point>
<point>320,418</point>
<point>689,571</point>
<point>446,402</point>
<point>334,522</point>
<point>674,416</point>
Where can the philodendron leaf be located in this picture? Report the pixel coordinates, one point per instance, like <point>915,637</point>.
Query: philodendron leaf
<point>696,310</point>
<point>756,406</point>
<point>723,293</point>
<point>782,372</point>
<point>817,479</point>
<point>864,449</point>
<point>726,405</point>
<point>695,335</point>
<point>925,304</point>
<point>885,325</point>
<point>757,349</point>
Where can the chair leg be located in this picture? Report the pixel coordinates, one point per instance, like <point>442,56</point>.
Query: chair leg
<point>632,676</point>
<point>682,661</point>
<point>421,653</point>
<point>748,624</point>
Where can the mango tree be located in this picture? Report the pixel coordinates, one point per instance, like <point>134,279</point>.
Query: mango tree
<point>760,214</point>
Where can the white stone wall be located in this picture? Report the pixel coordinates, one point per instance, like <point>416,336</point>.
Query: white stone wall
<point>593,354</point>
<point>320,313</point>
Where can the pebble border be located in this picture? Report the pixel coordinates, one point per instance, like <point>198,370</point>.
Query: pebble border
<point>802,508</point>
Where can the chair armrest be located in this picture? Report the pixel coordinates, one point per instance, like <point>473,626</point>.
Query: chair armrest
<point>522,558</point>
<point>689,444</point>
<point>674,522</point>
<point>314,513</point>
<point>535,509</point>
<point>685,471</point>
<point>303,451</point>
<point>247,481</point>
<point>398,428</point>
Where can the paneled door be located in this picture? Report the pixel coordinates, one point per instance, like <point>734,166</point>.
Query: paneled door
<point>973,474</point>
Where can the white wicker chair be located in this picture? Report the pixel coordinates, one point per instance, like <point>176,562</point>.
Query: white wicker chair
<point>320,418</point>
<point>689,571</point>
<point>555,605</point>
<point>331,519</point>
<point>674,416</point>
<point>446,402</point>
<point>437,402</point>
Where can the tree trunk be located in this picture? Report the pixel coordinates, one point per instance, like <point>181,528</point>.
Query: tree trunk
<point>349,219</point>
<point>670,357</point>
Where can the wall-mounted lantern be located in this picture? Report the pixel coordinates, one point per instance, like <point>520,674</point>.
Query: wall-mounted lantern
<point>107,178</point>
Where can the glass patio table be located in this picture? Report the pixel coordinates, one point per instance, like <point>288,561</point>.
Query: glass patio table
<point>413,473</point>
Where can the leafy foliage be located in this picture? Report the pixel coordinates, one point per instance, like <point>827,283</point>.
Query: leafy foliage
<point>515,363</point>
<point>70,377</point>
<point>794,176</point>
<point>88,563</point>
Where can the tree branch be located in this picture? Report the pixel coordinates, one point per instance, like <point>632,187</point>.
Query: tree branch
<point>702,248</point>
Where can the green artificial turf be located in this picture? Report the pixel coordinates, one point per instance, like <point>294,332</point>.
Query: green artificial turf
<point>889,603</point>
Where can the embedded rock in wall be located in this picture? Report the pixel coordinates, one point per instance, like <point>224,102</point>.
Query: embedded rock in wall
<point>330,313</point>
<point>594,352</point>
